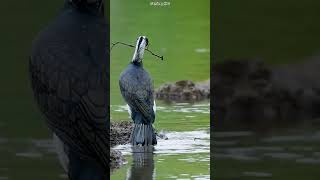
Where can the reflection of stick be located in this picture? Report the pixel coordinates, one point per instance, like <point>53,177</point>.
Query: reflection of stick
<point>113,44</point>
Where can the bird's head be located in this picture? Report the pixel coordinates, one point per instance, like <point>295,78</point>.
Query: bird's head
<point>141,45</point>
<point>94,6</point>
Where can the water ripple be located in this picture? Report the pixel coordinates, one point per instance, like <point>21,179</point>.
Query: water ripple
<point>178,107</point>
<point>189,142</point>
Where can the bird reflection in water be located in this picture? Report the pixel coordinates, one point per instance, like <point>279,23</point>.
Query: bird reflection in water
<point>142,167</point>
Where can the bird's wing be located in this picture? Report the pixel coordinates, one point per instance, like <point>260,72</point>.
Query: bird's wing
<point>75,102</point>
<point>143,107</point>
<point>139,99</point>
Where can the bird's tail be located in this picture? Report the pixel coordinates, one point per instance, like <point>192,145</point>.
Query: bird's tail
<point>143,134</point>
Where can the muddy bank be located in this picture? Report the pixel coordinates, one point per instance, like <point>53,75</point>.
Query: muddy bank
<point>184,91</point>
<point>249,93</point>
<point>116,159</point>
<point>119,134</point>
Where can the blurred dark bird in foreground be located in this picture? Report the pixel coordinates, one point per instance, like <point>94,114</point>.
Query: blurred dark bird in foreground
<point>137,90</point>
<point>69,69</point>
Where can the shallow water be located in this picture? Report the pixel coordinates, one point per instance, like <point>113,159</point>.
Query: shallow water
<point>189,142</point>
<point>29,159</point>
<point>278,155</point>
<point>185,155</point>
<point>174,116</point>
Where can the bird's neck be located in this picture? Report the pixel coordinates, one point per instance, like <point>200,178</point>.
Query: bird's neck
<point>137,63</point>
<point>138,54</point>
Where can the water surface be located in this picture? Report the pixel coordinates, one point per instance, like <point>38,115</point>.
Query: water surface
<point>185,155</point>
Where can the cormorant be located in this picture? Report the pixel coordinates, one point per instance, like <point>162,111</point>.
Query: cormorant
<point>137,90</point>
<point>69,70</point>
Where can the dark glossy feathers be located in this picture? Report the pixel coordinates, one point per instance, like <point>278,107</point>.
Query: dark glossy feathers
<point>137,89</point>
<point>69,77</point>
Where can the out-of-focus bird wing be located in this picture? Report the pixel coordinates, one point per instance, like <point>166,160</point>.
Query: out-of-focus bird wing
<point>73,97</point>
<point>69,70</point>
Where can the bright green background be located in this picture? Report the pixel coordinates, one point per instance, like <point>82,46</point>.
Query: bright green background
<point>176,32</point>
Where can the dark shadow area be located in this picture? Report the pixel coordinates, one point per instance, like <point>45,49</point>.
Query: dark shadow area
<point>265,90</point>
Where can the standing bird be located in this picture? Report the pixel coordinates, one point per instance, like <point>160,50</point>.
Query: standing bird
<point>137,90</point>
<point>69,70</point>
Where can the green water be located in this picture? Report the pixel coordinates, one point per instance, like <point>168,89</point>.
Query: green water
<point>290,154</point>
<point>177,32</point>
<point>171,161</point>
<point>173,167</point>
<point>278,32</point>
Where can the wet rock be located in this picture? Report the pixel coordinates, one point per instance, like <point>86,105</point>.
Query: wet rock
<point>162,135</point>
<point>250,94</point>
<point>116,159</point>
<point>243,93</point>
<point>184,91</point>
<point>120,132</point>
<point>120,135</point>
